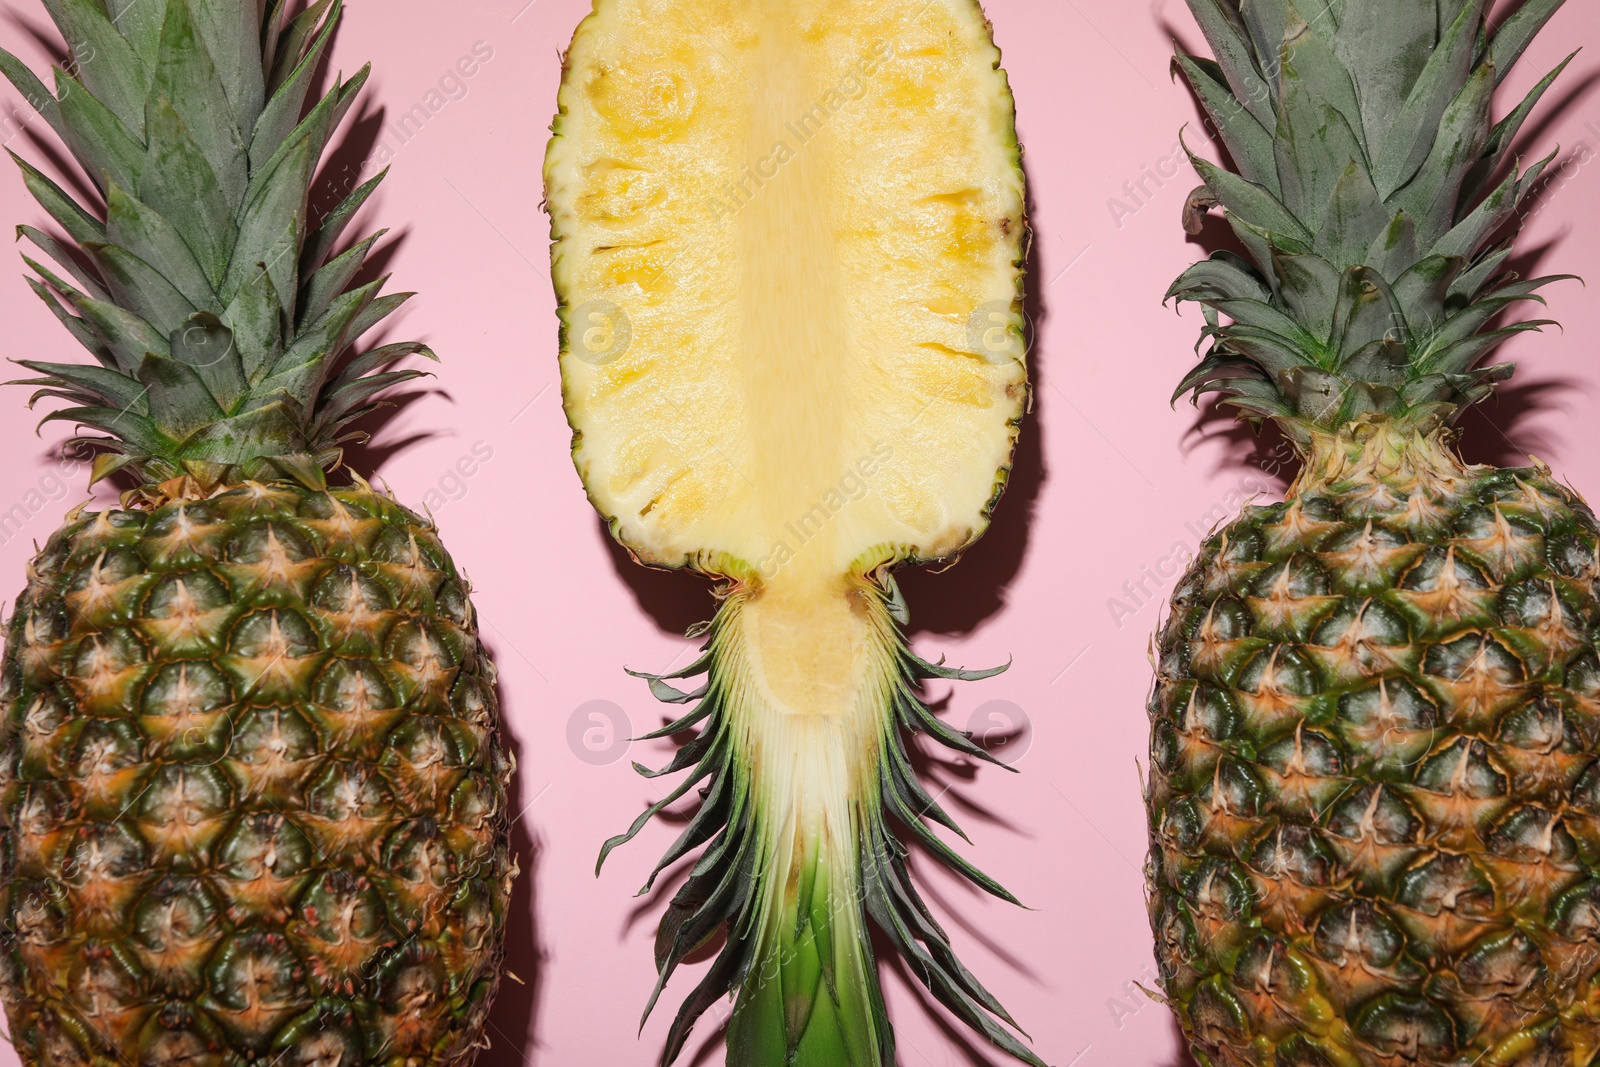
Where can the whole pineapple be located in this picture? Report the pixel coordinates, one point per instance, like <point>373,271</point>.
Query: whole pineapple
<point>252,780</point>
<point>1374,798</point>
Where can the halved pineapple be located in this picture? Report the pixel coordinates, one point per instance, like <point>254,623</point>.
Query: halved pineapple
<point>788,244</point>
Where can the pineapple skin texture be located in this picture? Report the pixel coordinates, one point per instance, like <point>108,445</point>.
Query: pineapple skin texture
<point>253,804</point>
<point>1373,795</point>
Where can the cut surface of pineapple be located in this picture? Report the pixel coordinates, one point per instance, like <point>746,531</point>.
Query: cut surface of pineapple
<point>788,240</point>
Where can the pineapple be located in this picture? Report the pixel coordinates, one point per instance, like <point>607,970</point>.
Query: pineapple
<point>252,778</point>
<point>787,244</point>
<point>1374,800</point>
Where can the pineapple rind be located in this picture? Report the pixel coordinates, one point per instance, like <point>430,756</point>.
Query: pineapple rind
<point>252,789</point>
<point>1373,794</point>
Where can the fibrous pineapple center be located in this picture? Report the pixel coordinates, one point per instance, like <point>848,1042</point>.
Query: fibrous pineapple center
<point>795,338</point>
<point>808,647</point>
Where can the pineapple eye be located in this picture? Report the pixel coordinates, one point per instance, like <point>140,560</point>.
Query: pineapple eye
<point>644,102</point>
<point>273,633</point>
<point>1359,930</point>
<point>1295,852</point>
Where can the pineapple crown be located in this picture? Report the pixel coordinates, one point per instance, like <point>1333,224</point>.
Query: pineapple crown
<point>218,311</point>
<point>1369,196</point>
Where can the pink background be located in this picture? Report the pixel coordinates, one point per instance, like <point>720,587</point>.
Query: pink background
<point>1109,482</point>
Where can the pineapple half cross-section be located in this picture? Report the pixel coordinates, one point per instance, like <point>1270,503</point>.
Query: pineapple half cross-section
<point>788,246</point>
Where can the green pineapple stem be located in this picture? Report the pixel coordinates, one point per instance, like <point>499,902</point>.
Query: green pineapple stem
<point>813,998</point>
<point>800,750</point>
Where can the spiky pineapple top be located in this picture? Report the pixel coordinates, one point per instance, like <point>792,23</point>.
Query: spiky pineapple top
<point>1370,198</point>
<point>213,302</point>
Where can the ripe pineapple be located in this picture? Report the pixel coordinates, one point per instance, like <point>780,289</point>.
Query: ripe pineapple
<point>252,781</point>
<point>1373,797</point>
<point>788,244</point>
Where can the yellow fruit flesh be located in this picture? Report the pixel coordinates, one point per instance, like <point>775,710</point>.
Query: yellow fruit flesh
<point>752,189</point>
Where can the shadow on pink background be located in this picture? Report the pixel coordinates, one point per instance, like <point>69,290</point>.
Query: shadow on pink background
<point>1110,485</point>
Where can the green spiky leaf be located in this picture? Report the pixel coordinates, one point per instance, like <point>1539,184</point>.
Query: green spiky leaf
<point>1230,41</point>
<point>1412,134</point>
<point>140,288</point>
<point>204,344</point>
<point>32,89</point>
<point>206,285</point>
<point>187,78</point>
<point>64,259</point>
<point>228,30</point>
<point>282,113</point>
<point>1382,237</point>
<point>141,231</point>
<point>100,384</point>
<point>104,61</point>
<point>1517,32</point>
<point>1384,45</point>
<point>75,326</point>
<point>1309,286</point>
<point>1249,202</point>
<point>97,138</point>
<point>178,182</point>
<point>1313,146</point>
<point>1247,141</point>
